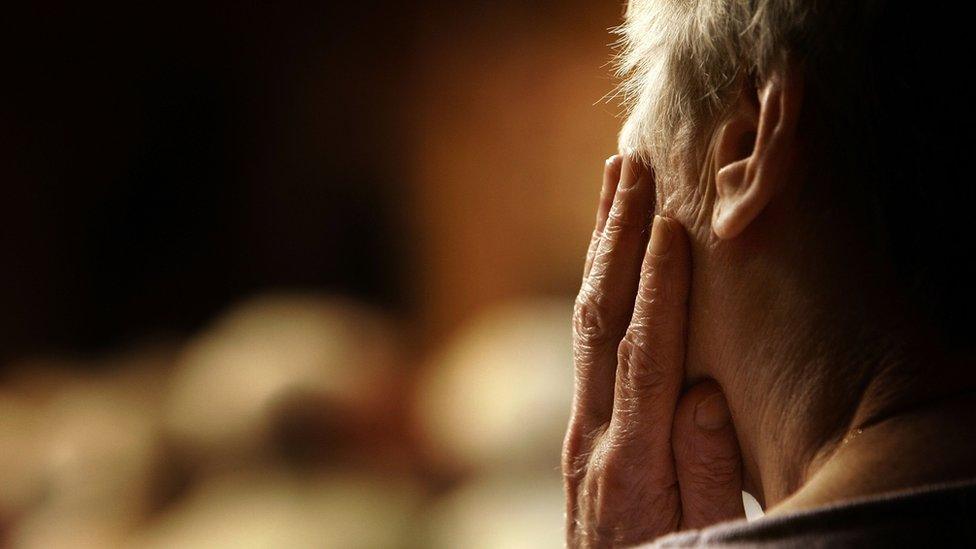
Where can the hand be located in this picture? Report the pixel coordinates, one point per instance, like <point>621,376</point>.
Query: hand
<point>640,458</point>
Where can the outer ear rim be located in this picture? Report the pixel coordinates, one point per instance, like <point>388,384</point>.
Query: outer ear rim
<point>755,177</point>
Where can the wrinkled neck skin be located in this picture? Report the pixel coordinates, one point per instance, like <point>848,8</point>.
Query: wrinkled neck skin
<point>834,394</point>
<point>900,438</point>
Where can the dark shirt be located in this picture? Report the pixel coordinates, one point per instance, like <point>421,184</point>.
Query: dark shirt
<point>936,516</point>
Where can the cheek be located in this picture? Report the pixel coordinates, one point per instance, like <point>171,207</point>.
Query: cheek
<point>703,354</point>
<point>687,196</point>
<point>681,200</point>
<point>672,198</point>
<point>713,349</point>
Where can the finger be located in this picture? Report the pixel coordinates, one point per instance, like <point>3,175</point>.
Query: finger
<point>650,362</point>
<point>650,371</point>
<point>582,432</point>
<point>605,301</point>
<point>707,459</point>
<point>611,176</point>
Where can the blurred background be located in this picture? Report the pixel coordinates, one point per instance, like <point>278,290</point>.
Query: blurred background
<point>293,274</point>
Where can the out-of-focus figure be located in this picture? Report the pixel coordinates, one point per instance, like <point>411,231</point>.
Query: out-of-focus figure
<point>493,406</point>
<point>328,364</point>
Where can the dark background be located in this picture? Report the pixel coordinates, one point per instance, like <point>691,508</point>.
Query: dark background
<point>161,160</point>
<point>279,271</point>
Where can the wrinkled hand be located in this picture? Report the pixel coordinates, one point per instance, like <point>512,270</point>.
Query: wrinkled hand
<point>640,458</point>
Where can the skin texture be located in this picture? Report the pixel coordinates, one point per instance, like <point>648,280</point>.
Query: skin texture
<point>637,462</point>
<point>790,314</point>
<point>798,317</point>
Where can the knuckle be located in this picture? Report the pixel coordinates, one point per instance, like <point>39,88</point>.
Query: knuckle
<point>591,317</point>
<point>640,367</point>
<point>625,217</point>
<point>578,447</point>
<point>574,456</point>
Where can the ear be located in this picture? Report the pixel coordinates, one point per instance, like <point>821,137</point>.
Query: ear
<point>754,150</point>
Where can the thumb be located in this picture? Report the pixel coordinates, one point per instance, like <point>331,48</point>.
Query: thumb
<point>707,460</point>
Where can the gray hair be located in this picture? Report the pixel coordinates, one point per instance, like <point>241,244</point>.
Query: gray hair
<point>682,63</point>
<point>888,130</point>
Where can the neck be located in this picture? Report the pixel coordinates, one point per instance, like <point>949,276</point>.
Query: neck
<point>811,343</point>
<point>838,427</point>
<point>896,442</point>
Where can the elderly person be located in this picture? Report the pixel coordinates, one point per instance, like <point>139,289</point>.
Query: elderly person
<point>797,322</point>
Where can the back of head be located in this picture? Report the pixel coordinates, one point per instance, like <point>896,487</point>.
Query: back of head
<point>885,120</point>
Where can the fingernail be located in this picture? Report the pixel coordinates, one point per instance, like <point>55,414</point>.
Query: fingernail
<point>712,413</point>
<point>660,236</point>
<point>629,174</point>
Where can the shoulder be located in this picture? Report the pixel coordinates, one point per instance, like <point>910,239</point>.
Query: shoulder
<point>934,516</point>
